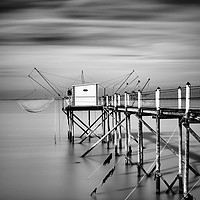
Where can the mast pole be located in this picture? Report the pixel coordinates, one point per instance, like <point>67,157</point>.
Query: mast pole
<point>47,82</point>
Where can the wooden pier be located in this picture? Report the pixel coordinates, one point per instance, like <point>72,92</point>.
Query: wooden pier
<point>182,104</point>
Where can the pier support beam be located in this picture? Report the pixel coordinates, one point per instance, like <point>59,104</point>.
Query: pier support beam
<point>157,175</point>
<point>158,154</point>
<point>128,149</point>
<point>186,164</point>
<point>115,123</point>
<point>89,122</point>
<point>68,118</point>
<point>103,123</point>
<point>140,146</point>
<point>119,128</point>
<point>88,128</point>
<point>108,138</point>
<point>180,156</point>
<point>120,131</point>
<point>140,136</point>
<point>71,127</point>
<point>95,144</point>
<point>187,143</point>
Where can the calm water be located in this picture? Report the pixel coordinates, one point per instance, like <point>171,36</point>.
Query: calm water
<point>33,167</point>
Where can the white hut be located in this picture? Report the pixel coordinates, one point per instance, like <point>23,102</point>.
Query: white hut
<point>85,95</point>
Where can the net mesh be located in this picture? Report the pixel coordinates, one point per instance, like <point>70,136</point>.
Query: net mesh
<point>35,106</point>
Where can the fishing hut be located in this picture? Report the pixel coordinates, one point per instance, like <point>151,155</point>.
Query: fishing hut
<point>83,97</point>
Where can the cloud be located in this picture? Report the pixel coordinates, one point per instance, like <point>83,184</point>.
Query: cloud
<point>182,2</point>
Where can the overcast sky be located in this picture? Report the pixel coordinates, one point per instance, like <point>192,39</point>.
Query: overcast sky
<point>159,40</point>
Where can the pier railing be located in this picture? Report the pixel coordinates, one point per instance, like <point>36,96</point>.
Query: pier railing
<point>177,98</point>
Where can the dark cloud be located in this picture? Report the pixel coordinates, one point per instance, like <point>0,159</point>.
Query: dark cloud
<point>182,2</point>
<point>10,5</point>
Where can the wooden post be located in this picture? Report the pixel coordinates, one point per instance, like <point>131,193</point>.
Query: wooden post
<point>126,120</point>
<point>128,99</point>
<point>115,123</point>
<point>139,99</point>
<point>187,137</point>
<point>72,126</point>
<point>103,123</point>
<point>179,98</point>
<point>108,128</point>
<point>129,135</point>
<point>140,136</point>
<point>108,122</point>
<point>63,103</point>
<point>158,99</point>
<point>113,120</point>
<point>187,101</point>
<point>106,101</point>
<point>89,122</point>
<point>128,150</point>
<point>68,123</point>
<point>180,156</point>
<point>59,108</point>
<point>186,164</point>
<point>119,128</point>
<point>71,133</point>
<point>158,141</point>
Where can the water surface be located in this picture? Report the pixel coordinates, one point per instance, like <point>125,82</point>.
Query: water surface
<point>33,167</point>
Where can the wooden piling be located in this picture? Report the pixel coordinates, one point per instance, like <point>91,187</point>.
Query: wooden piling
<point>158,164</point>
<point>187,143</point>
<point>108,129</point>
<point>103,123</point>
<point>108,121</point>
<point>68,124</point>
<point>180,156</point>
<point>71,127</point>
<point>158,154</point>
<point>186,165</point>
<point>113,120</point>
<point>126,120</point>
<point>140,146</point>
<point>128,149</point>
<point>119,128</point>
<point>89,122</point>
<point>179,98</point>
<point>115,123</point>
<point>140,137</point>
<point>180,142</point>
